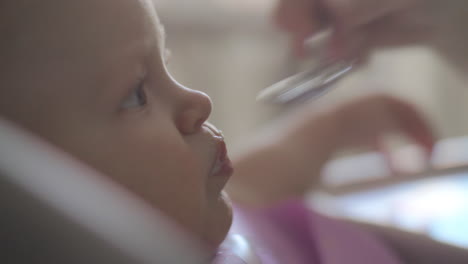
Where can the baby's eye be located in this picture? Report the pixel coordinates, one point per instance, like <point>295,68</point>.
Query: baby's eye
<point>136,99</point>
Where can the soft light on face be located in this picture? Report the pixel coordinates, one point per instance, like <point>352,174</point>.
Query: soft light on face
<point>90,76</point>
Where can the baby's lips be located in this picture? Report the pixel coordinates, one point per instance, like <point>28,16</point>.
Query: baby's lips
<point>214,131</point>
<point>222,164</point>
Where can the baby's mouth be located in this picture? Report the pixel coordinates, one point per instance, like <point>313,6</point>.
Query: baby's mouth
<point>222,166</point>
<point>213,130</point>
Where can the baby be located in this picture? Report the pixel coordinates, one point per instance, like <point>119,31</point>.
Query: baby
<point>90,76</point>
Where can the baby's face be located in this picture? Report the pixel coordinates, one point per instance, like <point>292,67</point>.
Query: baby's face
<point>90,76</point>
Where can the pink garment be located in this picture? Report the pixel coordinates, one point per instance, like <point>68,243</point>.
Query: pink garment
<point>291,233</point>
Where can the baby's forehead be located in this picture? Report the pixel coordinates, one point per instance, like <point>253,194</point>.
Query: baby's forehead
<point>51,42</point>
<point>17,16</point>
<point>64,27</point>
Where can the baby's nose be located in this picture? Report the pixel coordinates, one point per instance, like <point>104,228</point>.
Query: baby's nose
<point>195,108</point>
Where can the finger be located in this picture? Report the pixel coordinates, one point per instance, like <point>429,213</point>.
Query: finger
<point>299,43</point>
<point>301,18</point>
<point>395,115</point>
<point>351,46</point>
<point>352,14</point>
<point>296,16</point>
<point>412,123</point>
<point>394,31</point>
<point>387,156</point>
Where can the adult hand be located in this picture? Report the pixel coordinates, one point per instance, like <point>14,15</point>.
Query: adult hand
<point>360,26</point>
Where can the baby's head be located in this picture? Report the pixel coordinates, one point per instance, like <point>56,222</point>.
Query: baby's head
<point>90,77</point>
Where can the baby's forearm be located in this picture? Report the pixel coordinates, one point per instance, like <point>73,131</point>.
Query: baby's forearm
<point>256,171</point>
<point>281,166</point>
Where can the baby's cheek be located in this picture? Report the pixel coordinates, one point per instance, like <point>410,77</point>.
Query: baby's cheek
<point>165,173</point>
<point>181,186</point>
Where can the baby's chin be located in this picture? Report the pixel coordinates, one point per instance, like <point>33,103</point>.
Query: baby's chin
<point>219,222</point>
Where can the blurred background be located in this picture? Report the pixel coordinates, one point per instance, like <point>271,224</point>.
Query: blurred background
<point>231,50</point>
